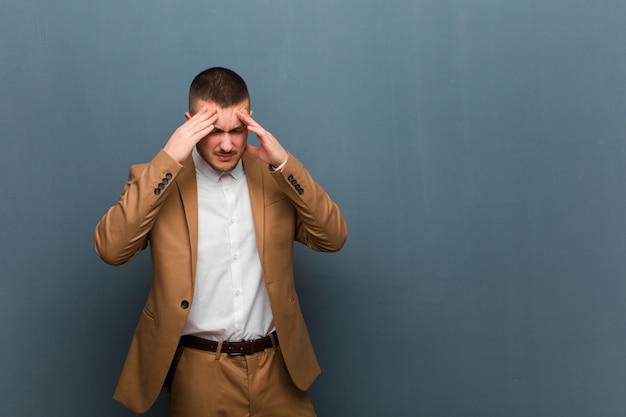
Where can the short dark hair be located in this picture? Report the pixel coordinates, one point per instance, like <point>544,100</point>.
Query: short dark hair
<point>222,86</point>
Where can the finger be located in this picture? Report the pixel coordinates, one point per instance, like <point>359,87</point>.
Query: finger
<point>203,110</point>
<point>205,127</point>
<point>253,126</point>
<point>258,130</point>
<point>196,129</point>
<point>202,121</point>
<point>246,117</point>
<point>203,114</point>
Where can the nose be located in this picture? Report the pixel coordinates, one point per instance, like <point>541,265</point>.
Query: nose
<point>226,143</point>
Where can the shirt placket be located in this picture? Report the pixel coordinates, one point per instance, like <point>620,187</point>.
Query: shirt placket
<point>228,186</point>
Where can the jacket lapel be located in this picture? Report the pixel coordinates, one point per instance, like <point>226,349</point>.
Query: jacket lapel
<point>254,178</point>
<point>188,189</point>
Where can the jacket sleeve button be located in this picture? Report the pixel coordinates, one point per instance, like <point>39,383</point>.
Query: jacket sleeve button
<point>184,304</point>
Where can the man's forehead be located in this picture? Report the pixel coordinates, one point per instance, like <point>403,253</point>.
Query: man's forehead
<point>245,104</point>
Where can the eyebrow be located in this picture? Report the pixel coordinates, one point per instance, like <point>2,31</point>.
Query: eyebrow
<point>239,128</point>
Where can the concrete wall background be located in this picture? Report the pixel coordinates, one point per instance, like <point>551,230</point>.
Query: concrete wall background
<point>476,149</point>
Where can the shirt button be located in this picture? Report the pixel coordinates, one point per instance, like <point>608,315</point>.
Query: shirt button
<point>232,221</point>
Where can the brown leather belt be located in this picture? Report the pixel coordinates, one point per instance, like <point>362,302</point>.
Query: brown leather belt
<point>245,347</point>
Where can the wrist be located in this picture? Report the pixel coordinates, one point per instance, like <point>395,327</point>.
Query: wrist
<point>279,167</point>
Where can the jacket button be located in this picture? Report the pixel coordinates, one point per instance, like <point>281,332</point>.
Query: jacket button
<point>184,304</point>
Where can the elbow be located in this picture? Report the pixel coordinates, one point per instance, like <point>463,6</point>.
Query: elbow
<point>336,242</point>
<point>111,254</point>
<point>341,240</point>
<point>111,257</point>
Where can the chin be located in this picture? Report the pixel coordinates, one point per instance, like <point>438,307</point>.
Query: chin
<point>223,167</point>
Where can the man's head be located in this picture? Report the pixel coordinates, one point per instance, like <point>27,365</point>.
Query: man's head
<point>224,90</point>
<point>220,86</point>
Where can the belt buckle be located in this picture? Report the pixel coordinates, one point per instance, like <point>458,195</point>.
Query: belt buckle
<point>231,352</point>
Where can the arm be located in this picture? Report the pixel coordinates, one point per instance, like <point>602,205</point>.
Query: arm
<point>320,223</point>
<point>123,231</point>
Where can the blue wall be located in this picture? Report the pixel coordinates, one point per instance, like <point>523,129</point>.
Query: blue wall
<point>476,148</point>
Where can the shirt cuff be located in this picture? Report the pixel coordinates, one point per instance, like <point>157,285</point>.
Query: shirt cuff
<point>279,167</point>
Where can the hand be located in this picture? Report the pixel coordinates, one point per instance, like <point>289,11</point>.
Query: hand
<point>269,150</point>
<point>182,141</point>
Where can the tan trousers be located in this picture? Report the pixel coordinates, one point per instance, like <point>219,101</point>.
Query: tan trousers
<point>208,384</point>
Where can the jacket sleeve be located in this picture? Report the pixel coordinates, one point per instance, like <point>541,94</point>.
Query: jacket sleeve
<point>123,231</point>
<point>320,223</point>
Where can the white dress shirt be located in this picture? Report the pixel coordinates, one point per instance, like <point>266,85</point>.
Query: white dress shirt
<point>230,300</point>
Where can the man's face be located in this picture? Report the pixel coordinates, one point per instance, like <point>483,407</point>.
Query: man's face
<point>225,145</point>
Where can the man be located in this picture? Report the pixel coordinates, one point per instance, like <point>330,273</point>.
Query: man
<point>221,329</point>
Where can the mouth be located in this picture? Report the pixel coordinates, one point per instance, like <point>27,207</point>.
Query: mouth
<point>225,157</point>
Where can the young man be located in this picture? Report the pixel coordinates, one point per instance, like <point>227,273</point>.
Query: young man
<point>222,328</point>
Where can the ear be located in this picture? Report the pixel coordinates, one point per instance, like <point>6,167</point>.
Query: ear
<point>187,115</point>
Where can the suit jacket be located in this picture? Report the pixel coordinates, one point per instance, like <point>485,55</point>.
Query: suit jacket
<point>159,207</point>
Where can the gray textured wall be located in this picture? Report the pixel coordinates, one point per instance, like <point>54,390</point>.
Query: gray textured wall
<point>476,148</point>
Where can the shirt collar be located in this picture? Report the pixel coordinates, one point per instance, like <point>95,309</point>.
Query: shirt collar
<point>208,172</point>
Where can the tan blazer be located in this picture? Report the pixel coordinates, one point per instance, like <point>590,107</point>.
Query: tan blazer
<point>159,207</point>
